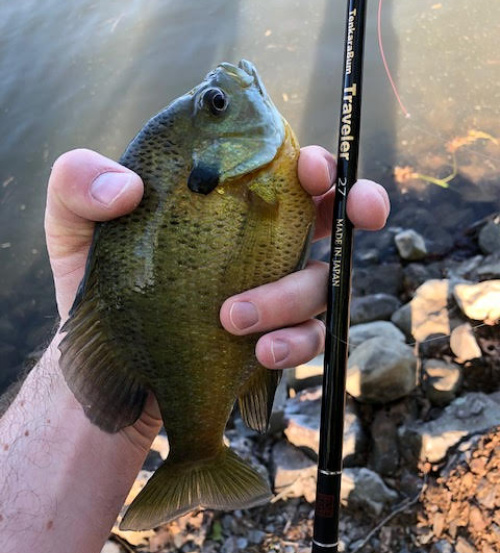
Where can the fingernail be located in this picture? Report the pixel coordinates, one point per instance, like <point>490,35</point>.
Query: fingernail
<point>243,315</point>
<point>108,186</point>
<point>279,350</point>
<point>330,170</point>
<point>383,194</point>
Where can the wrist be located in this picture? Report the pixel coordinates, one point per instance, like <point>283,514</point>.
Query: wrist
<point>60,475</point>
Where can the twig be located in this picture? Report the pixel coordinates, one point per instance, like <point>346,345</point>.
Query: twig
<point>399,509</point>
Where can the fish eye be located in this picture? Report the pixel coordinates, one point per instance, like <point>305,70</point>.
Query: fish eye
<point>216,100</point>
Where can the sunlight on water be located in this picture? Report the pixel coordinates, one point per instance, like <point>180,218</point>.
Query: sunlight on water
<point>88,74</point>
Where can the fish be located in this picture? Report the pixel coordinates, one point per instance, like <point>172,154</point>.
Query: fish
<point>222,212</point>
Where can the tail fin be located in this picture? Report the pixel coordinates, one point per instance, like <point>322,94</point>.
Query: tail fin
<point>225,482</point>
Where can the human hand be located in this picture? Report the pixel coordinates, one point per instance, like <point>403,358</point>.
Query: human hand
<point>285,309</point>
<point>86,187</point>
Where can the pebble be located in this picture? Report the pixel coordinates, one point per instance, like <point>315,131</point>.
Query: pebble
<point>387,279</point>
<point>489,267</point>
<point>481,301</point>
<point>256,536</point>
<point>463,343</point>
<point>294,472</point>
<point>464,269</point>
<point>410,245</point>
<point>379,372</point>
<point>402,319</point>
<point>384,454</point>
<point>374,307</point>
<point>416,274</point>
<point>307,375</point>
<point>303,415</point>
<point>430,441</point>
<point>489,237</point>
<point>365,489</point>
<point>242,543</point>
<point>429,310</point>
<point>384,330</point>
<point>442,381</point>
<point>160,445</point>
<point>442,546</point>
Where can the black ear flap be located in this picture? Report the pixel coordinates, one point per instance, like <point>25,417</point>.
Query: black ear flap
<point>203,178</point>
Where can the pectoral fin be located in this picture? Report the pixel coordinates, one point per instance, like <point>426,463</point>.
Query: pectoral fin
<point>96,372</point>
<point>256,400</point>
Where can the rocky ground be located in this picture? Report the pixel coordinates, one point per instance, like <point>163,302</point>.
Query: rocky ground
<point>422,441</point>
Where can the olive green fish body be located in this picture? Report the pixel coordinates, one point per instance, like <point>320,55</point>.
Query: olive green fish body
<point>222,212</point>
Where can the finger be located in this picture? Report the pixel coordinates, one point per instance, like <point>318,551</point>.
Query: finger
<point>287,302</point>
<point>368,207</point>
<point>293,346</point>
<point>317,170</point>
<point>83,187</point>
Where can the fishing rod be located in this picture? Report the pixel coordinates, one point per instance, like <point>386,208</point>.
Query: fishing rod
<point>326,517</point>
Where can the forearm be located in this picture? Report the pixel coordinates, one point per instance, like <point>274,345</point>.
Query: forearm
<point>62,480</point>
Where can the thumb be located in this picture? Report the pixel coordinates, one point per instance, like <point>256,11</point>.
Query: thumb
<point>84,187</point>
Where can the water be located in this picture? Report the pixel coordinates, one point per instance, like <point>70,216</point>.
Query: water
<point>88,74</point>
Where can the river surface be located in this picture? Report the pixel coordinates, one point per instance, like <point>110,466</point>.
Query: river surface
<point>89,74</point>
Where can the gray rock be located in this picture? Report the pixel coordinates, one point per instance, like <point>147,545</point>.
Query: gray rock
<point>442,381</point>
<point>277,422</point>
<point>302,416</point>
<point>384,454</point>
<point>384,330</point>
<point>256,536</point>
<point>387,278</point>
<point>379,372</point>
<point>429,313</point>
<point>479,302</point>
<point>489,237</point>
<point>463,343</point>
<point>364,489</point>
<point>489,268</point>
<point>466,415</point>
<point>230,545</point>
<point>442,546</point>
<point>410,245</point>
<point>402,319</point>
<point>242,543</point>
<point>374,307</point>
<point>307,375</point>
<point>161,446</point>
<point>294,473</point>
<point>464,269</point>
<point>416,274</point>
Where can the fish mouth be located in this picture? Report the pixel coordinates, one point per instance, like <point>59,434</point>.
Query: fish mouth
<point>245,74</point>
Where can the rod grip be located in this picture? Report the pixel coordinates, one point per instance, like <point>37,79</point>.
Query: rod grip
<point>326,520</point>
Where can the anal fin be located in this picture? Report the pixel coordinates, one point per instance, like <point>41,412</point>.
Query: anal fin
<point>256,400</point>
